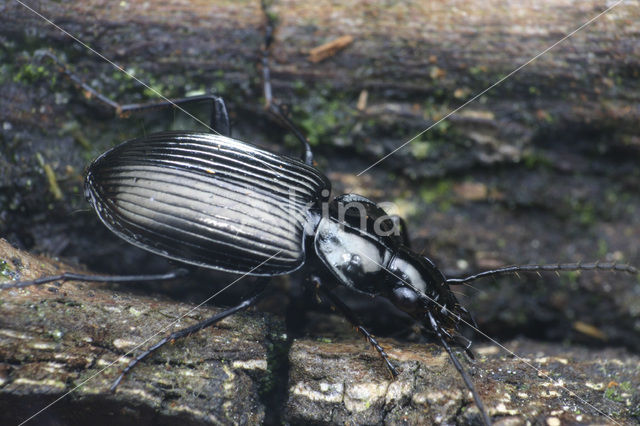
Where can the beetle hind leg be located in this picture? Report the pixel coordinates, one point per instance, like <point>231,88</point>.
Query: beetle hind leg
<point>271,105</point>
<point>70,276</point>
<point>218,119</point>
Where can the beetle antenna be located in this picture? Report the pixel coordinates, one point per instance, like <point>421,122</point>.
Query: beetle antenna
<point>69,276</point>
<point>467,380</point>
<point>555,267</point>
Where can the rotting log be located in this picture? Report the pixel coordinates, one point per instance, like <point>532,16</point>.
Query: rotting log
<point>542,168</point>
<point>62,346</point>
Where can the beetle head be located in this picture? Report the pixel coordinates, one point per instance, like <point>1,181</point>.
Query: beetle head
<point>416,286</point>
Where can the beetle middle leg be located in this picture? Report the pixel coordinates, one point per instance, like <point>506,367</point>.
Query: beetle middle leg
<point>353,319</point>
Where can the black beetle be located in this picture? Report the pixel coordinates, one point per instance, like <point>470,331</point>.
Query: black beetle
<point>216,202</point>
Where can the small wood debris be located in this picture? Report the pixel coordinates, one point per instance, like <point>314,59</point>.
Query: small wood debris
<point>329,49</point>
<point>362,100</point>
<point>589,330</point>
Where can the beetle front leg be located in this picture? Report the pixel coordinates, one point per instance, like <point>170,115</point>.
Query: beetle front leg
<point>440,332</point>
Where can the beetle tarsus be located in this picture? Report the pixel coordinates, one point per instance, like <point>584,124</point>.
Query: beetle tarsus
<point>70,276</point>
<point>467,380</point>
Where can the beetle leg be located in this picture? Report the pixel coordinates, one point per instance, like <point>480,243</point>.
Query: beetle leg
<point>69,276</point>
<point>461,341</point>
<point>467,380</point>
<point>468,316</point>
<point>250,301</point>
<point>353,319</point>
<point>219,120</point>
<point>270,104</point>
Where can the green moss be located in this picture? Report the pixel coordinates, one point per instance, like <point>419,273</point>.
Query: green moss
<point>323,117</point>
<point>441,194</point>
<point>619,393</point>
<point>569,279</point>
<point>533,160</point>
<point>420,149</point>
<point>586,213</point>
<point>156,88</point>
<point>477,70</point>
<point>603,247</point>
<point>626,386</point>
<point>219,85</point>
<point>300,87</point>
<point>6,273</point>
<point>30,73</point>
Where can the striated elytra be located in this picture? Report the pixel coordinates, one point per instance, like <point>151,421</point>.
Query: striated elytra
<point>207,200</point>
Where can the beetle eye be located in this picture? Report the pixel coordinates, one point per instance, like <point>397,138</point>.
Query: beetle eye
<point>405,299</point>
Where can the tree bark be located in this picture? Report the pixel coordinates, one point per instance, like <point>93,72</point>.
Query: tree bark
<point>63,345</point>
<point>337,383</point>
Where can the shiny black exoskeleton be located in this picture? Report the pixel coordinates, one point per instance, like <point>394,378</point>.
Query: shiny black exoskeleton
<point>215,202</point>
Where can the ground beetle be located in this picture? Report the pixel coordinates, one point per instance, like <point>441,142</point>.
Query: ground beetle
<point>209,200</point>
